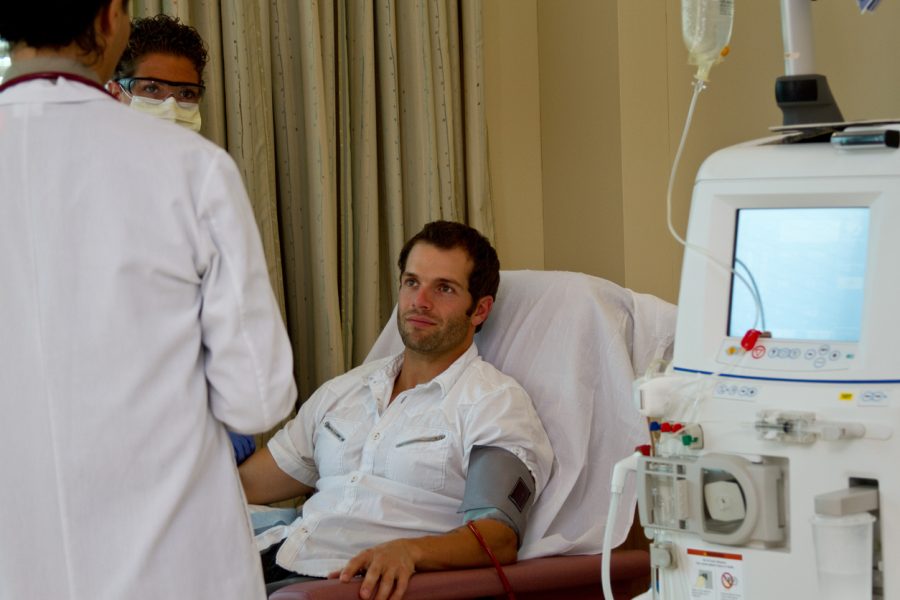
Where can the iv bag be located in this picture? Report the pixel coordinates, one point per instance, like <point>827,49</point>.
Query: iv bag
<point>706,29</point>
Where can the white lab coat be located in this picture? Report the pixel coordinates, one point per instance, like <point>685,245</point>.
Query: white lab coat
<point>136,317</point>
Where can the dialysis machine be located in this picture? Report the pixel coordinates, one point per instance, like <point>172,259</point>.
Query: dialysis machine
<point>772,472</point>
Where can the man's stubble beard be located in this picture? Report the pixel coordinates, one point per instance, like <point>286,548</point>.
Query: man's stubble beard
<point>446,336</point>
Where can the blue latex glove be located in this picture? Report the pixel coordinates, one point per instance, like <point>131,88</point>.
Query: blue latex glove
<point>244,446</point>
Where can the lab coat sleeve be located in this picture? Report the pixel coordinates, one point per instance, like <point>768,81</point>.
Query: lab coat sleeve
<point>247,355</point>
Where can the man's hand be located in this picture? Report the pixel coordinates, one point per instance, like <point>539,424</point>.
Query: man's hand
<point>387,568</point>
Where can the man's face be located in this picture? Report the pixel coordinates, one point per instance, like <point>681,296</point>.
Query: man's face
<point>434,300</point>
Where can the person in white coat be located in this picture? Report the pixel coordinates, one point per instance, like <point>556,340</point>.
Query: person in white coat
<point>161,73</point>
<point>136,319</point>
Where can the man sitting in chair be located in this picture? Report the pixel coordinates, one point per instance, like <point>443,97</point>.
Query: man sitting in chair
<point>409,460</point>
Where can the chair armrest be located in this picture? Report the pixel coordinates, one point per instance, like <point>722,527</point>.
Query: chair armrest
<point>548,577</point>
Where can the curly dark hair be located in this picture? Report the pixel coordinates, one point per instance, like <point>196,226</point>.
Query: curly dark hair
<point>71,22</point>
<point>165,34</point>
<point>447,235</point>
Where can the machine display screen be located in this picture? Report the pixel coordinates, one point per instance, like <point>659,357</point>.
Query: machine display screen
<point>808,265</point>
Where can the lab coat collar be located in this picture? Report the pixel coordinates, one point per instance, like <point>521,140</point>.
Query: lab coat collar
<point>45,79</point>
<point>50,64</point>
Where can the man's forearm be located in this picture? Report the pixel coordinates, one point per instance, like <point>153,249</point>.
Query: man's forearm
<point>265,483</point>
<point>460,548</point>
<point>457,549</point>
<point>388,567</point>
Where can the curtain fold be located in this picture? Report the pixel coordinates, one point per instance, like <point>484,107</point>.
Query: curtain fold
<point>479,209</point>
<point>354,122</point>
<point>249,123</point>
<point>309,208</point>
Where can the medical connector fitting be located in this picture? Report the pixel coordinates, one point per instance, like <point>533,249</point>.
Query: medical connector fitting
<point>832,432</point>
<point>621,470</point>
<point>692,437</point>
<point>662,555</point>
<point>748,342</point>
<point>786,426</point>
<point>676,437</point>
<point>652,396</point>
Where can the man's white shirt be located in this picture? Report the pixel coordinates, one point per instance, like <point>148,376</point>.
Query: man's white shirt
<point>386,470</point>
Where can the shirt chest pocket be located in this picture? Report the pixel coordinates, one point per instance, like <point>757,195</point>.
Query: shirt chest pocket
<point>418,458</point>
<point>333,446</point>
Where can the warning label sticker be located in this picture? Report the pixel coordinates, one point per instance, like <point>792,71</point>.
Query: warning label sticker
<point>715,575</point>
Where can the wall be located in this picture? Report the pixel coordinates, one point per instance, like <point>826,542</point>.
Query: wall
<point>580,130</point>
<point>512,105</point>
<point>613,89</point>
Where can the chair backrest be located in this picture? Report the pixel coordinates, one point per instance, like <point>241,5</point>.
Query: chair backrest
<point>575,343</point>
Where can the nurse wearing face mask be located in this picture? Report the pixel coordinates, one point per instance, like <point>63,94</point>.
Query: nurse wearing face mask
<point>161,71</point>
<point>161,74</point>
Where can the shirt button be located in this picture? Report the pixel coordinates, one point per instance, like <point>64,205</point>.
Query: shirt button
<point>376,436</point>
<point>354,479</point>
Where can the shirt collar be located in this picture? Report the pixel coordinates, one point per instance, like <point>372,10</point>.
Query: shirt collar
<point>56,64</point>
<point>445,380</point>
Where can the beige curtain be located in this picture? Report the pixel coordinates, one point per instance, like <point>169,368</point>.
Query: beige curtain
<point>354,123</point>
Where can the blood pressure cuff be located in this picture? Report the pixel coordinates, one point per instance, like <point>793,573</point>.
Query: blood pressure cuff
<point>499,486</point>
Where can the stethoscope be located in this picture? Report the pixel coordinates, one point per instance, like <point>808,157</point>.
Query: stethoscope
<point>52,75</point>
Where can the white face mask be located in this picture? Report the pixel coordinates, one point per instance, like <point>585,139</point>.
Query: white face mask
<point>183,113</point>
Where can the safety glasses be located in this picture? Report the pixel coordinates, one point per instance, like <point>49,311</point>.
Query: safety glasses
<point>160,89</point>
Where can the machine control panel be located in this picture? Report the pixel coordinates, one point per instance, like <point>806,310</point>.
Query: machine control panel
<point>788,355</point>
<point>750,390</point>
<point>737,391</point>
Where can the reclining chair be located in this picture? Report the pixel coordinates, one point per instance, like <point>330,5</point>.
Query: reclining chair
<point>575,343</point>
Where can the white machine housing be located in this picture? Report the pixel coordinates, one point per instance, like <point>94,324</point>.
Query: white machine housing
<point>846,392</point>
<point>760,175</point>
